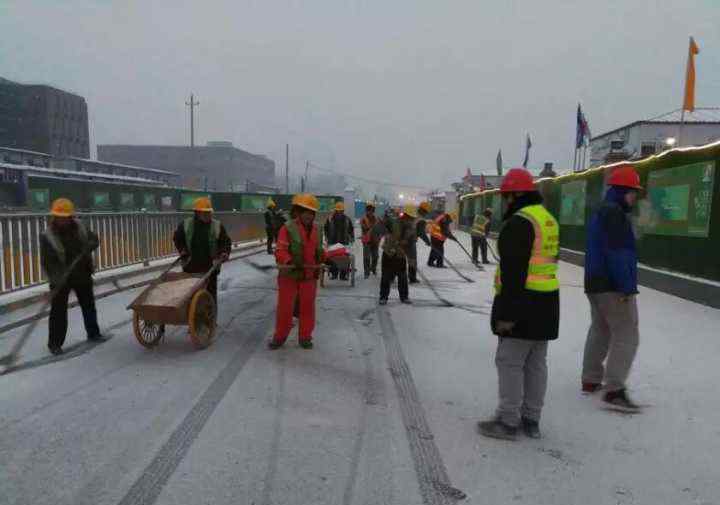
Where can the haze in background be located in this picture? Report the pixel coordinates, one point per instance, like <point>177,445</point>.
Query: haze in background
<point>400,90</point>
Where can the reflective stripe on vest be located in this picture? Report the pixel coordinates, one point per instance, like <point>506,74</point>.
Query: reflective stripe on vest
<point>478,227</point>
<point>297,249</point>
<point>436,229</point>
<point>189,226</point>
<point>543,267</point>
<point>57,244</point>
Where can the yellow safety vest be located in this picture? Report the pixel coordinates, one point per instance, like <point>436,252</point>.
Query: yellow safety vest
<point>543,268</point>
<point>478,227</point>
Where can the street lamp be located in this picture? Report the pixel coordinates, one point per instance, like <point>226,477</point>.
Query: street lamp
<point>670,141</point>
<point>401,196</point>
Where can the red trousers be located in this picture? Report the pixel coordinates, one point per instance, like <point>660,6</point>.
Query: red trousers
<point>288,290</point>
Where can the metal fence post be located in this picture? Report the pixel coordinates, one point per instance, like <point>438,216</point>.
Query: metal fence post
<point>145,237</point>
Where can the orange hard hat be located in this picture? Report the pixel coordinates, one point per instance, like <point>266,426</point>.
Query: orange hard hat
<point>306,201</point>
<point>626,176</point>
<point>340,206</point>
<point>62,207</point>
<point>425,207</point>
<point>202,204</point>
<point>517,179</point>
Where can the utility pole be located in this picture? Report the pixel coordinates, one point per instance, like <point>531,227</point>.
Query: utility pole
<point>287,169</point>
<point>306,186</point>
<point>192,103</point>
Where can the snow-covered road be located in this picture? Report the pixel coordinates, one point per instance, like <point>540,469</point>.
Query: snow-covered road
<point>382,411</point>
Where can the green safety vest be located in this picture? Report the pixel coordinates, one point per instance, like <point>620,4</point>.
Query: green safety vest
<point>57,244</point>
<point>297,250</point>
<point>478,227</point>
<point>189,226</point>
<point>543,268</point>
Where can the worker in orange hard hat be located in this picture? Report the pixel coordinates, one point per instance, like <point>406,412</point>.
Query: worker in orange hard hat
<point>299,255</point>
<point>439,233</point>
<point>65,248</point>
<point>339,230</point>
<point>526,308</point>
<point>203,241</point>
<point>611,287</point>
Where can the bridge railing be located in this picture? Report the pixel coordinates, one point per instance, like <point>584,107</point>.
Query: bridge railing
<point>125,239</point>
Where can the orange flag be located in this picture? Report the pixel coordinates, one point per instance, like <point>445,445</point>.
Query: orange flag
<point>689,102</point>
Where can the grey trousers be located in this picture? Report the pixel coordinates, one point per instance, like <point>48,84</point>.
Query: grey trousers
<point>613,336</point>
<point>522,379</point>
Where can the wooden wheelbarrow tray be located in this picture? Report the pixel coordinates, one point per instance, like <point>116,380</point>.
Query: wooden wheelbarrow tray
<point>194,307</point>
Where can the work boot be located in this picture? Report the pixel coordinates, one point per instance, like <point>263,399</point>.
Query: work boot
<point>273,345</point>
<point>374,272</point>
<point>367,275</point>
<point>530,428</point>
<point>590,387</point>
<point>497,429</point>
<point>383,301</point>
<point>97,338</point>
<point>618,400</point>
<point>56,350</point>
<point>306,344</point>
<point>406,301</point>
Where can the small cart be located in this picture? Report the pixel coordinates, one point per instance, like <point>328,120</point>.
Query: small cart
<point>176,298</point>
<point>341,263</point>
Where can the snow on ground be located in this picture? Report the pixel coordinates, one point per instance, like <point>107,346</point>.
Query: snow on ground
<point>383,410</point>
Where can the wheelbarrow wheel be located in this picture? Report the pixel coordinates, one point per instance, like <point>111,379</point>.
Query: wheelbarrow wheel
<point>147,334</point>
<point>201,318</point>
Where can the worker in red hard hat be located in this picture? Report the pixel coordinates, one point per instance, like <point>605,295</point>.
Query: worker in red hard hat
<point>611,287</point>
<point>526,308</point>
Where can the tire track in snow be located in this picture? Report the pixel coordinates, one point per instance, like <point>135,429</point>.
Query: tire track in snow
<point>434,481</point>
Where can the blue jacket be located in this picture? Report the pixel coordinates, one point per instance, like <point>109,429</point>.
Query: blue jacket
<point>611,254</point>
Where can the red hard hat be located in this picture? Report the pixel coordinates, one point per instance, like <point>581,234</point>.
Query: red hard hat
<point>625,175</point>
<point>517,179</point>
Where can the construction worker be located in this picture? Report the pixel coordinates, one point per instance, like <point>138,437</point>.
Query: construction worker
<point>370,240</point>
<point>439,233</point>
<point>611,287</point>
<point>526,308</point>
<point>202,241</point>
<point>399,233</point>
<point>339,230</point>
<point>299,254</point>
<point>64,244</point>
<point>273,221</point>
<point>479,233</point>
<point>420,233</point>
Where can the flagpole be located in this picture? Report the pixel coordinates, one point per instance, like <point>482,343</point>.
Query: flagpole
<point>575,159</point>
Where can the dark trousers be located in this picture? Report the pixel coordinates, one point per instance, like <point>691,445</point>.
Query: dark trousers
<point>270,238</point>
<point>481,243</point>
<point>437,252</point>
<point>59,308</point>
<point>393,266</point>
<point>411,255</point>
<point>370,257</point>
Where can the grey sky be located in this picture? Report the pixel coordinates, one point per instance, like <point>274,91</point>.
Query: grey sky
<point>396,89</point>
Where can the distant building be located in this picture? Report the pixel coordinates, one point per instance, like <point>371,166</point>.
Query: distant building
<point>471,183</point>
<point>219,166</point>
<point>641,139</point>
<point>43,119</point>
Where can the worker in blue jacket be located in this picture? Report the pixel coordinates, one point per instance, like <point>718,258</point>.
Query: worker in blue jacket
<point>611,286</point>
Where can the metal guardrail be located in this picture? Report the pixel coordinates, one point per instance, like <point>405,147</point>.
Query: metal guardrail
<point>125,239</point>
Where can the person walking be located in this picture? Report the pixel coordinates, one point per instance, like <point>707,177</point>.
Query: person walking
<point>299,254</point>
<point>370,240</point>
<point>272,224</point>
<point>478,234</point>
<point>439,233</point>
<point>611,288</point>
<point>420,233</point>
<point>202,241</point>
<point>526,308</point>
<point>399,233</point>
<point>339,230</point>
<point>68,243</point>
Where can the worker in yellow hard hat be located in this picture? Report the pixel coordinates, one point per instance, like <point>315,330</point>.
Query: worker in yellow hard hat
<point>65,248</point>
<point>203,241</point>
<point>339,230</point>
<point>273,221</point>
<point>299,255</point>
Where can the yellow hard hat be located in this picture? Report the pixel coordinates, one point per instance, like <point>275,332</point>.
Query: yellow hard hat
<point>306,201</point>
<point>271,203</point>
<point>425,206</point>
<point>202,204</point>
<point>369,204</point>
<point>62,207</point>
<point>340,206</point>
<point>410,210</point>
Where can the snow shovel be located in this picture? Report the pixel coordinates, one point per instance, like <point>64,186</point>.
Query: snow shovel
<point>427,281</point>
<point>8,361</point>
<point>451,265</point>
<point>492,251</point>
<point>267,268</point>
<point>479,267</point>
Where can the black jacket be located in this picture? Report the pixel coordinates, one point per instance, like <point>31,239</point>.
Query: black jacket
<point>536,315</point>
<point>339,229</point>
<point>421,231</point>
<point>70,240</point>
<point>200,258</point>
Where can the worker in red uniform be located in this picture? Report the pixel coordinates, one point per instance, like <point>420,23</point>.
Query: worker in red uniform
<point>370,240</point>
<point>439,233</point>
<point>298,254</point>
